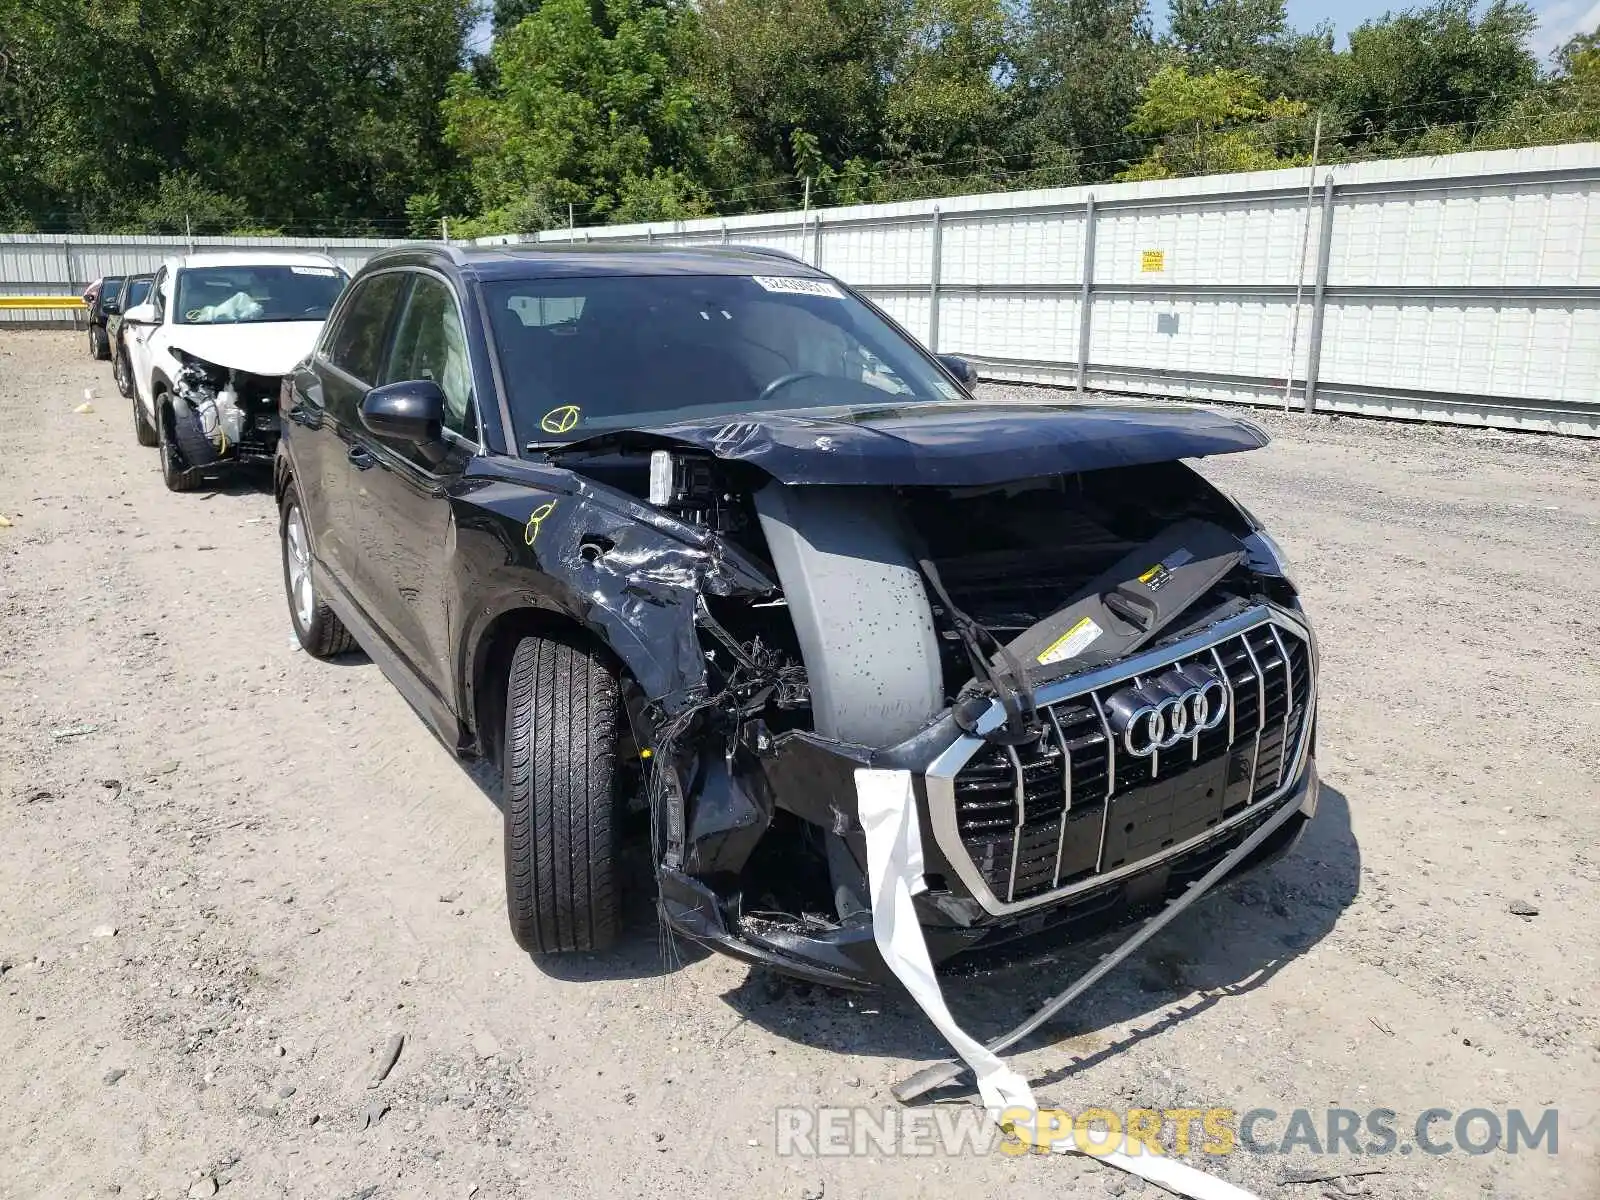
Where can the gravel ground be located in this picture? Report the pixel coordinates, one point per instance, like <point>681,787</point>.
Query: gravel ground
<point>230,874</point>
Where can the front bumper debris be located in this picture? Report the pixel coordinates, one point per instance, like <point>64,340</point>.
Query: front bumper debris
<point>1044,844</point>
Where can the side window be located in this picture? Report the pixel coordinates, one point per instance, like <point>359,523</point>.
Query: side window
<point>356,342</point>
<point>430,344</point>
<point>159,290</point>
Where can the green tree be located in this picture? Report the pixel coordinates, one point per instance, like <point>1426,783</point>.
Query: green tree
<point>302,111</point>
<point>589,108</point>
<point>1080,65</point>
<point>1254,36</point>
<point>1408,75</point>
<point>1212,123</point>
<point>770,67</point>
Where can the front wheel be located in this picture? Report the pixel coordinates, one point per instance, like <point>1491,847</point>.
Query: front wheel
<point>175,472</point>
<point>317,627</point>
<point>563,720</point>
<point>122,373</point>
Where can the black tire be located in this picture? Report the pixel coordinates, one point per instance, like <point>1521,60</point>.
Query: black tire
<point>122,373</point>
<point>198,450</point>
<point>321,634</point>
<point>175,472</point>
<point>97,342</point>
<point>563,718</point>
<point>143,432</point>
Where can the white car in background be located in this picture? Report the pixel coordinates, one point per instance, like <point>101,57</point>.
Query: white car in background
<point>209,349</point>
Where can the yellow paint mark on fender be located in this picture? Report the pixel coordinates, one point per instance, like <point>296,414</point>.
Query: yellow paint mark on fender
<point>535,519</point>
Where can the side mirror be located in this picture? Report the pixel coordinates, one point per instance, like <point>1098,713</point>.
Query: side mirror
<point>960,368</point>
<point>140,314</point>
<point>412,411</point>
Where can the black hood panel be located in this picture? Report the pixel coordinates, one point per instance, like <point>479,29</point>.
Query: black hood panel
<point>965,444</point>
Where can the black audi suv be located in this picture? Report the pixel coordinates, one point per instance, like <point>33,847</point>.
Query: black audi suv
<point>682,538</point>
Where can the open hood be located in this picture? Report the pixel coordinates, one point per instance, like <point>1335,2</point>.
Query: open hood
<point>256,347</point>
<point>955,444</point>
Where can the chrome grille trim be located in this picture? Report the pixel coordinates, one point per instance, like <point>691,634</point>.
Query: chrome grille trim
<point>1066,798</point>
<point>1261,713</point>
<point>1111,781</point>
<point>1288,707</point>
<point>1022,819</point>
<point>940,777</point>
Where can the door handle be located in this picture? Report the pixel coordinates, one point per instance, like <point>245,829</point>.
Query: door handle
<point>361,458</point>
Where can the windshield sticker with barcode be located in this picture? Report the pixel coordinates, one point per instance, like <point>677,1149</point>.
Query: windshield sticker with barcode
<point>325,272</point>
<point>799,287</point>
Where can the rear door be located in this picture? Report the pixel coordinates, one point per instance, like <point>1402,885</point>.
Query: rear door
<point>402,515</point>
<point>325,419</point>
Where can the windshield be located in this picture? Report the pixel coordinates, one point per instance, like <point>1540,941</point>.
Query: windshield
<point>215,295</point>
<point>580,356</point>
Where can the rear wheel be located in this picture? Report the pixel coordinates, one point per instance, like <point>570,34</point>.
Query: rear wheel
<point>563,720</point>
<point>320,632</point>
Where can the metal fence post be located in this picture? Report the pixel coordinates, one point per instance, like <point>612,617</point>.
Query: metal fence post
<point>1318,296</point>
<point>1084,294</point>
<point>935,265</point>
<point>66,253</point>
<point>816,238</point>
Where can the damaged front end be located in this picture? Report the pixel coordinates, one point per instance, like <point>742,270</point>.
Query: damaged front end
<point>1099,678</point>
<point>223,414</point>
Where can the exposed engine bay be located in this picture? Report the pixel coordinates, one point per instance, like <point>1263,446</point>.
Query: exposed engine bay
<point>224,414</point>
<point>911,626</point>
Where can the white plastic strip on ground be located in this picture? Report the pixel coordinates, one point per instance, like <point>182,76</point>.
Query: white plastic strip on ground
<point>888,814</point>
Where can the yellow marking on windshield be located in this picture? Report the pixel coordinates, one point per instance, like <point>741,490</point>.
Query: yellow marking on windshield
<point>560,420</point>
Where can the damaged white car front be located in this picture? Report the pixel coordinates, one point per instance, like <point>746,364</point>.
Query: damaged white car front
<point>209,350</point>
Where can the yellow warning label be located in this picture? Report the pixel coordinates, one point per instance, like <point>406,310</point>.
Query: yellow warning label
<point>1153,260</point>
<point>1151,573</point>
<point>1071,643</point>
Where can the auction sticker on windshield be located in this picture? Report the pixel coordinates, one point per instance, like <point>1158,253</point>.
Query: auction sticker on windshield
<point>325,272</point>
<point>799,287</point>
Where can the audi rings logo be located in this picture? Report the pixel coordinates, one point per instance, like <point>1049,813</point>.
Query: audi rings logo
<point>1162,710</point>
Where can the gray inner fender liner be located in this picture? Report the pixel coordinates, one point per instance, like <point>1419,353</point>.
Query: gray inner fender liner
<point>860,610</point>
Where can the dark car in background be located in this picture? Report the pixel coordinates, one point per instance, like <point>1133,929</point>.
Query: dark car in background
<point>135,290</point>
<point>102,305</point>
<point>681,539</point>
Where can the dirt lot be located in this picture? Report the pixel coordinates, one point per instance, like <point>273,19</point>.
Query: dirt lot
<point>229,873</point>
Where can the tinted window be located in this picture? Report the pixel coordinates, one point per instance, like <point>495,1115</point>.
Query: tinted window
<point>110,288</point>
<point>582,355</point>
<point>138,291</point>
<point>355,343</point>
<point>429,343</point>
<point>217,295</point>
